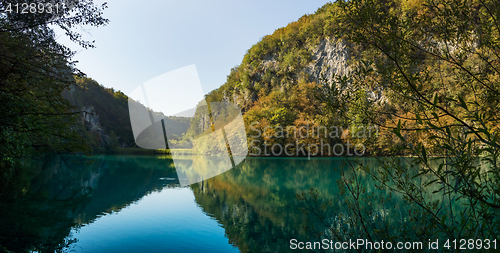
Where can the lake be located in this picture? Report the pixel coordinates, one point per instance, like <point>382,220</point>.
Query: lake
<point>135,204</point>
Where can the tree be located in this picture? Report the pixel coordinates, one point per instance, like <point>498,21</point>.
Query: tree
<point>437,64</point>
<point>112,143</point>
<point>34,70</point>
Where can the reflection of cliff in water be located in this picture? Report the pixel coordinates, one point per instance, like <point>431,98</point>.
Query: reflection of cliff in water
<point>56,197</point>
<point>124,180</point>
<point>256,202</point>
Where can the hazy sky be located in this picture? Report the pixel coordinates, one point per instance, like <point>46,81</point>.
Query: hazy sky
<point>148,38</point>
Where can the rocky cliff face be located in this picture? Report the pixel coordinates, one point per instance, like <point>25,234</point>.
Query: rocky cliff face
<point>329,58</point>
<point>91,119</point>
<point>104,113</point>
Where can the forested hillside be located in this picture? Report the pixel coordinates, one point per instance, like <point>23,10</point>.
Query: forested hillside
<point>280,82</point>
<point>105,119</point>
<point>104,113</point>
<point>34,71</point>
<point>425,73</point>
<point>436,64</point>
<point>327,70</point>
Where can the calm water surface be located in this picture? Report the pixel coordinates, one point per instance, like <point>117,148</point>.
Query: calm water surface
<point>135,204</point>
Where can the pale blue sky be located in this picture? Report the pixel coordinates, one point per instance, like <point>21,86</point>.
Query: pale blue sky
<point>148,38</point>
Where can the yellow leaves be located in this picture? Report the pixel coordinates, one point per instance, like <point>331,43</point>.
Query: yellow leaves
<point>414,5</point>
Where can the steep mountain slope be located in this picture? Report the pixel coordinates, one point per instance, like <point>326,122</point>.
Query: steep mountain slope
<point>105,116</point>
<point>326,79</point>
<point>277,87</point>
<point>304,50</point>
<point>278,83</point>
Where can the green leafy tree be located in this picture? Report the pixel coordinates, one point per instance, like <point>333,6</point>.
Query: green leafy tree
<point>437,65</point>
<point>34,71</point>
<point>112,144</point>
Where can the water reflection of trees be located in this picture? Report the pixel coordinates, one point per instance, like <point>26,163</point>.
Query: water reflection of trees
<point>256,202</point>
<point>378,211</point>
<point>258,206</point>
<point>46,199</point>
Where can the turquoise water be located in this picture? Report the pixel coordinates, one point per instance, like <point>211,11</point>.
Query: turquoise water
<point>164,221</point>
<point>135,204</point>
